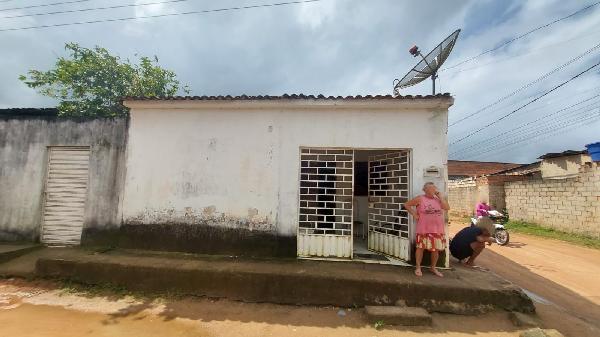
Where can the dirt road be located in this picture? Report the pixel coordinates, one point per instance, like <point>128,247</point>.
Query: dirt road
<point>40,310</point>
<point>562,278</point>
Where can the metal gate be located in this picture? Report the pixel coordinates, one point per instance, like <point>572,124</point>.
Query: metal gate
<point>388,190</point>
<point>325,209</point>
<point>65,195</point>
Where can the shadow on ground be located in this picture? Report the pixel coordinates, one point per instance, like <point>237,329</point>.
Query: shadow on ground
<point>566,305</point>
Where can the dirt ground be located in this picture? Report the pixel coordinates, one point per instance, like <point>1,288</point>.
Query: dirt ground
<point>563,279</point>
<point>40,309</point>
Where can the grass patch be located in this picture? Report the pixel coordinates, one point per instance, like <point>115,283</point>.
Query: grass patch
<point>533,229</point>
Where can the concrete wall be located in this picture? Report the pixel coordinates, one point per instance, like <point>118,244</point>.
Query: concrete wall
<point>228,172</point>
<point>464,195</point>
<point>571,205</point>
<point>23,161</point>
<point>562,167</point>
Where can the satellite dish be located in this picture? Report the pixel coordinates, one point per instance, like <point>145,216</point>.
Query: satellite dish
<point>428,66</point>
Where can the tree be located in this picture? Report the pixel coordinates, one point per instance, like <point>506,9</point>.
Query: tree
<point>92,82</point>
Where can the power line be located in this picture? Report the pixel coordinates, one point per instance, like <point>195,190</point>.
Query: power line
<point>547,133</point>
<point>533,51</point>
<point>92,9</point>
<point>526,104</point>
<point>521,36</point>
<point>466,149</point>
<point>546,129</point>
<point>43,5</point>
<point>162,15</point>
<point>536,129</point>
<point>539,79</point>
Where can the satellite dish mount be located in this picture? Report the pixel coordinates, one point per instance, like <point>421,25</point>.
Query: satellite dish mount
<point>429,64</point>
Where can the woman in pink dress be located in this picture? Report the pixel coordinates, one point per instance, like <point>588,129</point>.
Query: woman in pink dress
<point>429,214</point>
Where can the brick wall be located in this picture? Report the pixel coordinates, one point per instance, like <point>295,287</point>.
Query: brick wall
<point>571,205</point>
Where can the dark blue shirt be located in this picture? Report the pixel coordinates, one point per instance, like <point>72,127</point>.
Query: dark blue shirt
<point>460,246</point>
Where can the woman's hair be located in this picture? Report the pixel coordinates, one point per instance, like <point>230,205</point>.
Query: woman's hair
<point>429,183</point>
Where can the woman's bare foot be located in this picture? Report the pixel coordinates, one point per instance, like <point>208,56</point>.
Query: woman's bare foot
<point>418,272</point>
<point>436,272</point>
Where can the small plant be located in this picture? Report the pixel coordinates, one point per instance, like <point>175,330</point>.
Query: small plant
<point>378,325</point>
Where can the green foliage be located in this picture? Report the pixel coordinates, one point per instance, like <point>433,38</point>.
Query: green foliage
<point>533,229</point>
<point>92,82</point>
<point>379,325</point>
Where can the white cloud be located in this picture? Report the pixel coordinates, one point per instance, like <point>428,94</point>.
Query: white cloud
<point>339,47</point>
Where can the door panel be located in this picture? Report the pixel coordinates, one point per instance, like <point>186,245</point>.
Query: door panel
<point>389,230</point>
<point>325,206</point>
<point>65,195</point>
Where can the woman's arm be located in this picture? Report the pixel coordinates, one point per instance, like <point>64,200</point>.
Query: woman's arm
<point>410,207</point>
<point>443,201</point>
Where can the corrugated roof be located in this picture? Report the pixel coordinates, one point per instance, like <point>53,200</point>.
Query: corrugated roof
<point>281,97</point>
<point>470,168</point>
<point>562,154</point>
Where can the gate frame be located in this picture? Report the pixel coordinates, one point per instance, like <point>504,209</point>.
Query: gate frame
<point>411,225</point>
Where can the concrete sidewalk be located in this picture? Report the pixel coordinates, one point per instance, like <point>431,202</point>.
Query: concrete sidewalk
<point>14,250</point>
<point>276,281</point>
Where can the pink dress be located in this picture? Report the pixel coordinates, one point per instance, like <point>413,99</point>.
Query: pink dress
<point>430,226</point>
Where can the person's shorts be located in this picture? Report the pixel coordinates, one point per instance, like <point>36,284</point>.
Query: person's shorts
<point>431,241</point>
<point>461,253</point>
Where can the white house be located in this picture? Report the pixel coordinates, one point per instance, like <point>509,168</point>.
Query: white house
<point>291,175</point>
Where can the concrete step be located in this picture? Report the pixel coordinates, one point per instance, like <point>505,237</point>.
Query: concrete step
<point>9,251</point>
<point>301,282</point>
<point>408,316</point>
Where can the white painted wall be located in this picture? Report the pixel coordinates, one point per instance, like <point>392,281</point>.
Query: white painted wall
<point>239,160</point>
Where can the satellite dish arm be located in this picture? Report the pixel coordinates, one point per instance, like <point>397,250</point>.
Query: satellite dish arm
<point>427,63</point>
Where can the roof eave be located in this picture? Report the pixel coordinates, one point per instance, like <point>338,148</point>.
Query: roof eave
<point>435,103</point>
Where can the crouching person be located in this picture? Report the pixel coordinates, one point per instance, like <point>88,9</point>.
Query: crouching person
<point>470,241</point>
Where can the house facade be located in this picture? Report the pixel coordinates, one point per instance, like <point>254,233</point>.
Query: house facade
<point>276,174</point>
<point>292,175</point>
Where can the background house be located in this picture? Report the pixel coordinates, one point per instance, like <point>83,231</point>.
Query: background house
<point>561,191</point>
<point>564,164</point>
<point>461,169</point>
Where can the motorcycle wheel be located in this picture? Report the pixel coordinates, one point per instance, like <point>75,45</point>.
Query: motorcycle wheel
<point>502,237</point>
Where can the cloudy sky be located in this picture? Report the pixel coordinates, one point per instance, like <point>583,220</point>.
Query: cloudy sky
<point>350,47</point>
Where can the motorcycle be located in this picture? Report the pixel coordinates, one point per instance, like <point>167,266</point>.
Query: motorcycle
<point>501,235</point>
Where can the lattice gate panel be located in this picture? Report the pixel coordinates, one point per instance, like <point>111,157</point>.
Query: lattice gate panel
<point>389,230</point>
<point>325,212</point>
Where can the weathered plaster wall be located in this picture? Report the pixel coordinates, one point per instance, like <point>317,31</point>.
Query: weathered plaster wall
<point>234,169</point>
<point>23,161</point>
<point>561,167</point>
<point>463,196</point>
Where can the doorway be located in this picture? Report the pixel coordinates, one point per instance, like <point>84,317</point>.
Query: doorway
<point>350,204</point>
<point>381,186</point>
<point>65,195</point>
